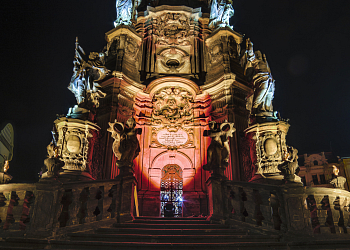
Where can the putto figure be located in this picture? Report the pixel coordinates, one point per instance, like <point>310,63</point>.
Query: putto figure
<point>290,167</point>
<point>126,11</point>
<point>258,71</point>
<point>220,13</point>
<point>219,148</point>
<point>126,146</point>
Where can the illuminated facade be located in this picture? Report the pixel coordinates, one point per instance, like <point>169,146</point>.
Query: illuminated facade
<point>173,75</point>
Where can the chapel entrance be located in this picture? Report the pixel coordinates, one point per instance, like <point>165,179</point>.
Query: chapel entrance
<point>171,191</point>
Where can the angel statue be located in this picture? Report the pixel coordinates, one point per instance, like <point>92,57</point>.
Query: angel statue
<point>126,146</point>
<point>220,13</point>
<point>126,11</point>
<point>219,148</point>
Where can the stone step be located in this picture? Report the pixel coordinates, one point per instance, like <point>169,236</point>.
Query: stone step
<point>56,244</point>
<point>172,238</point>
<point>169,218</point>
<point>167,231</point>
<point>165,221</point>
<point>169,226</point>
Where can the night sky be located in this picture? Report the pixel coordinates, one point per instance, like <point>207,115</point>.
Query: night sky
<point>306,44</point>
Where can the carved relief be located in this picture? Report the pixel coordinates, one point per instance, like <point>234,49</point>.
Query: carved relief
<point>215,52</point>
<point>172,29</point>
<point>173,60</point>
<point>172,105</point>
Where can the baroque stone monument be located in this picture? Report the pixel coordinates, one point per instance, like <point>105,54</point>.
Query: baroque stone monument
<point>266,156</point>
<point>75,134</point>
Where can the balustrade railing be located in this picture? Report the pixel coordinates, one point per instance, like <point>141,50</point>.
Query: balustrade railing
<point>288,208</point>
<point>51,208</point>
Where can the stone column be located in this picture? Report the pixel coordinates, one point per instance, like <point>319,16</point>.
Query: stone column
<point>74,147</point>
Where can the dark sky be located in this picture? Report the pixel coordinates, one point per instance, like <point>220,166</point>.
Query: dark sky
<point>306,44</point>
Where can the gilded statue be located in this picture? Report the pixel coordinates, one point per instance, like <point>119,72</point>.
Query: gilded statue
<point>219,149</point>
<point>126,146</point>
<point>220,13</point>
<point>258,70</point>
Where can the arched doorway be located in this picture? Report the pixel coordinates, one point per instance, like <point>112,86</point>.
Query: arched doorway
<point>171,190</point>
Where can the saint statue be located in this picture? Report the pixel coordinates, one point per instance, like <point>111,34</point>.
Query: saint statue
<point>126,11</point>
<point>258,71</point>
<point>220,13</point>
<point>85,74</point>
<point>126,146</point>
<point>219,148</point>
<point>337,181</point>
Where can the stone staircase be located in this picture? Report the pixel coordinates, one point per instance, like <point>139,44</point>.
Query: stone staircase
<point>159,233</point>
<point>148,233</point>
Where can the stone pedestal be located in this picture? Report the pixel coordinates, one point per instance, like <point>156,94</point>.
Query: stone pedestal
<point>215,195</point>
<point>261,162</point>
<point>126,203</point>
<point>75,142</point>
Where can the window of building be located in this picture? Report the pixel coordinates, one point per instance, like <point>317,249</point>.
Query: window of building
<point>315,179</point>
<point>303,180</point>
<point>323,179</point>
<point>316,163</point>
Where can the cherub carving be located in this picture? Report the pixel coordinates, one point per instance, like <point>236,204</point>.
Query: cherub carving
<point>126,146</point>
<point>219,148</point>
<point>52,163</point>
<point>290,167</point>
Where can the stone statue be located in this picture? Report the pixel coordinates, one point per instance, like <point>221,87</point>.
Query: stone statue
<point>258,70</point>
<point>290,167</point>
<point>85,74</point>
<point>126,145</point>
<point>126,11</point>
<point>220,13</point>
<point>219,148</point>
<point>337,181</point>
<point>52,163</point>
<point>4,176</point>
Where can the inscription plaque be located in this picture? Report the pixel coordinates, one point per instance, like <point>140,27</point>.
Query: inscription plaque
<point>167,138</point>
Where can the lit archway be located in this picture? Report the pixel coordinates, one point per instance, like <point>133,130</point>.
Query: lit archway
<point>171,189</point>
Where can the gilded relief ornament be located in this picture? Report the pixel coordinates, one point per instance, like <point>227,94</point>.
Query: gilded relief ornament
<point>172,29</point>
<point>172,105</point>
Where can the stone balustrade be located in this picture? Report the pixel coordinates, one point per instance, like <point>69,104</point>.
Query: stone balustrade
<point>51,208</point>
<point>287,208</point>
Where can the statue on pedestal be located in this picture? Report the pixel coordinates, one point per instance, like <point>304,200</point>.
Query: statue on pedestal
<point>4,176</point>
<point>52,163</point>
<point>126,11</point>
<point>83,82</point>
<point>337,181</point>
<point>126,146</point>
<point>220,13</point>
<point>290,167</point>
<point>219,148</point>
<point>258,71</point>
